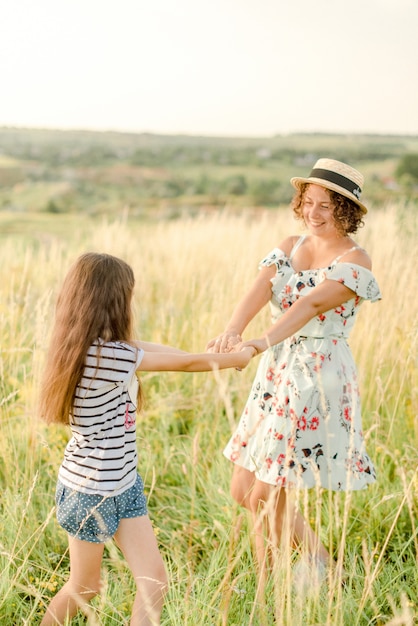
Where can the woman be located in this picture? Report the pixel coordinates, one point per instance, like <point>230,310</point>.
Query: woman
<point>301,426</point>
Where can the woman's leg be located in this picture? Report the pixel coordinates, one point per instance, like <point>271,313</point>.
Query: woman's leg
<point>253,495</point>
<point>242,483</point>
<point>267,505</point>
<point>275,517</point>
<point>302,534</point>
<point>83,583</point>
<point>135,537</point>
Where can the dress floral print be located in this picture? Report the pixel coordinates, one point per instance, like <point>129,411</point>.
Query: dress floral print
<point>301,425</point>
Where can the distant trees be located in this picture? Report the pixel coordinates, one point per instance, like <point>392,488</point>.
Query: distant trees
<point>407,169</point>
<point>99,173</point>
<point>219,190</point>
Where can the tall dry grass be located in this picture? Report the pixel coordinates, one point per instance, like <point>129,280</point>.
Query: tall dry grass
<point>190,273</point>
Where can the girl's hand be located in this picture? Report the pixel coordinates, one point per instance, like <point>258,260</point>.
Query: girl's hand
<point>224,342</point>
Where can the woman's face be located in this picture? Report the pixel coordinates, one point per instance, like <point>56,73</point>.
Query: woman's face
<point>318,211</point>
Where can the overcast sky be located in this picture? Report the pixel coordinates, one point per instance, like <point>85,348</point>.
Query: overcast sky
<point>213,67</point>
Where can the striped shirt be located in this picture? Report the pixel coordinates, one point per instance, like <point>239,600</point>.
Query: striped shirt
<point>101,456</point>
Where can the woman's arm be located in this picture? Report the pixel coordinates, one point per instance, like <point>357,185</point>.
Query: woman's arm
<point>187,362</point>
<point>326,296</point>
<point>254,300</point>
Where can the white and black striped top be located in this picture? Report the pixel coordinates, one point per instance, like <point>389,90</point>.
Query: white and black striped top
<point>101,457</point>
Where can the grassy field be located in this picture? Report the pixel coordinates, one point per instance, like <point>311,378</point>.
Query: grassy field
<point>190,272</point>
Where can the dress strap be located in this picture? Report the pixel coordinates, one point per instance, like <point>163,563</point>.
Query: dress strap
<point>346,252</point>
<point>296,246</point>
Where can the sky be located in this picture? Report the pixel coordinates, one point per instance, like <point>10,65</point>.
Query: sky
<point>213,67</point>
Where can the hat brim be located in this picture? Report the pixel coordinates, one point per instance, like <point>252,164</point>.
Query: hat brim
<point>297,182</point>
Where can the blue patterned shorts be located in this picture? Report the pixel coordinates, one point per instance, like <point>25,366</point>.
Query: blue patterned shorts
<point>96,518</point>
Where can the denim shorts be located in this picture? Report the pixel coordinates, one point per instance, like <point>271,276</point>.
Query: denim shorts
<point>96,518</point>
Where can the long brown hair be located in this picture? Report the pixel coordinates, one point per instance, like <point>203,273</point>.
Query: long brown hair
<point>95,301</point>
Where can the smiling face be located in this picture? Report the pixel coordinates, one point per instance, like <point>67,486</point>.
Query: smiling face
<point>347,216</point>
<point>318,211</point>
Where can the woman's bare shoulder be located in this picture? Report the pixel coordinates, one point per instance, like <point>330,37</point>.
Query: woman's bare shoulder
<point>287,244</point>
<point>358,256</point>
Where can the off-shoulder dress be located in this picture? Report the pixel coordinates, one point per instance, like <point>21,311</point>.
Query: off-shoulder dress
<point>302,426</point>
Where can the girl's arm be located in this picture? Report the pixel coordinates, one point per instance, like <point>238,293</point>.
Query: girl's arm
<point>326,296</point>
<point>254,300</point>
<point>188,362</point>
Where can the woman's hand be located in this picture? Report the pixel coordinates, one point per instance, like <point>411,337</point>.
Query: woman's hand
<point>225,342</point>
<point>247,352</point>
<point>259,345</point>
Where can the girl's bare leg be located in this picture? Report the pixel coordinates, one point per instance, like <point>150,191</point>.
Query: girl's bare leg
<point>136,538</point>
<point>83,584</point>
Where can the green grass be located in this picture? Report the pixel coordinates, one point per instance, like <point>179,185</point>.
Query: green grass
<point>190,272</point>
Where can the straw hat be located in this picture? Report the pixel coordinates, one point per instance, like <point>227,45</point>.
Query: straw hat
<point>336,176</point>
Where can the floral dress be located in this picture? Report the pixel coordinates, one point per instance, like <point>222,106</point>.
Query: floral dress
<point>301,426</point>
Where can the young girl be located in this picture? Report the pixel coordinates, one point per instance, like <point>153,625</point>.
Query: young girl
<point>90,383</point>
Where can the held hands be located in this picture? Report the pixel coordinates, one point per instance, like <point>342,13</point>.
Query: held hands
<point>258,345</point>
<point>247,353</point>
<point>229,342</point>
<point>225,342</point>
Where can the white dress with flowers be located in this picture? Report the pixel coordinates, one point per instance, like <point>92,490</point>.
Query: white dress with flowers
<point>302,424</point>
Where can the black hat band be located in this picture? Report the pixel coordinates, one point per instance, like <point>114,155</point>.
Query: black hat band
<point>337,179</point>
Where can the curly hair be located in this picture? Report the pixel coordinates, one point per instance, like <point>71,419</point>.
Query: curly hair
<point>348,216</point>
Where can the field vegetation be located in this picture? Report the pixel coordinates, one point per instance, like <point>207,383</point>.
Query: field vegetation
<point>166,176</point>
<point>190,270</point>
